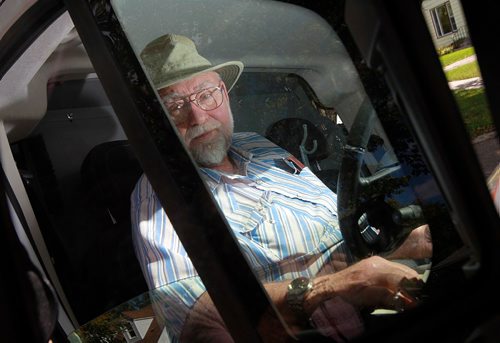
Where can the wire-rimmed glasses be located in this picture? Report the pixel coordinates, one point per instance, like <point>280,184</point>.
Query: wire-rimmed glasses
<point>207,99</point>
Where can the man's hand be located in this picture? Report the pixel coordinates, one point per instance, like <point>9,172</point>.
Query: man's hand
<point>418,245</point>
<point>371,283</point>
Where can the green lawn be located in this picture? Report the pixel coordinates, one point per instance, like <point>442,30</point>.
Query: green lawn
<point>456,56</point>
<point>475,111</point>
<point>471,102</point>
<point>463,72</point>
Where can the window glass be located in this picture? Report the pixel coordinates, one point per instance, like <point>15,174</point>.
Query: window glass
<point>325,173</point>
<point>79,171</point>
<point>305,95</point>
<point>443,19</point>
<point>460,66</point>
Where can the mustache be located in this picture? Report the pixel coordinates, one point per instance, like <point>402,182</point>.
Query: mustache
<point>199,130</point>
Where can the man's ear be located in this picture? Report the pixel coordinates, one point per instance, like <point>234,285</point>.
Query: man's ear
<point>224,88</point>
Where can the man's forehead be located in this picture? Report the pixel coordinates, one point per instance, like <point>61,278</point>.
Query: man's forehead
<point>193,84</point>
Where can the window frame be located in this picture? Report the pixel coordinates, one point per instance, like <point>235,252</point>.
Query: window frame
<point>26,30</point>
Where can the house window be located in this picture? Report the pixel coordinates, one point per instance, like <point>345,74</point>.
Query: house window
<point>130,330</point>
<point>443,19</point>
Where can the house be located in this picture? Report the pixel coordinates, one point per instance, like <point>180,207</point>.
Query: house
<point>446,22</point>
<point>141,326</point>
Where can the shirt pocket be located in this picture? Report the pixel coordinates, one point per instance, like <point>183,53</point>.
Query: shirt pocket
<point>290,227</point>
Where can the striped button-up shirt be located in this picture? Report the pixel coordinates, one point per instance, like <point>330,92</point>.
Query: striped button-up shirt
<point>284,219</point>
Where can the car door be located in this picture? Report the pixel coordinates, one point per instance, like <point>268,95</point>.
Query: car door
<point>416,120</point>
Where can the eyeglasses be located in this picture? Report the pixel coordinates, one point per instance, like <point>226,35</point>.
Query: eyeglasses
<point>207,99</point>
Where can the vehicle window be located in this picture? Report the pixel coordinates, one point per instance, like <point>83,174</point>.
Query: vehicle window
<point>327,182</point>
<point>306,96</point>
<point>450,34</point>
<point>79,170</point>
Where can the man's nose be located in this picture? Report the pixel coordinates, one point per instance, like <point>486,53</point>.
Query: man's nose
<point>196,115</point>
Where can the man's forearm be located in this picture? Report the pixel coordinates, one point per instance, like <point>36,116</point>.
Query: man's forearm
<point>370,283</point>
<point>204,323</point>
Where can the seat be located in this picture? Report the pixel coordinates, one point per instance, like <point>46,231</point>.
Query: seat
<point>304,140</point>
<point>301,138</point>
<point>109,173</point>
<point>112,170</point>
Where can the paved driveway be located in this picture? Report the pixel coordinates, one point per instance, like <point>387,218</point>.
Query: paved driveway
<point>488,151</point>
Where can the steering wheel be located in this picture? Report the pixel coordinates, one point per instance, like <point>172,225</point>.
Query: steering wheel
<point>369,224</point>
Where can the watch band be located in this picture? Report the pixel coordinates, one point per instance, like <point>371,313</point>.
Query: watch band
<point>297,290</point>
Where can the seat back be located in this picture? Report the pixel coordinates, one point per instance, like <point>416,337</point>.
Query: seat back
<point>109,173</point>
<point>112,170</point>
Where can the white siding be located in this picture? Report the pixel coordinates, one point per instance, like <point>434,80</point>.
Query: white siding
<point>458,13</point>
<point>142,325</point>
<point>164,337</point>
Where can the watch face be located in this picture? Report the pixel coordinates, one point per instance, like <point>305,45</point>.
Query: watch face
<point>297,289</point>
<point>300,285</point>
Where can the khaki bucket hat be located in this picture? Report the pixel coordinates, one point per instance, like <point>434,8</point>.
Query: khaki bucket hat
<point>172,58</point>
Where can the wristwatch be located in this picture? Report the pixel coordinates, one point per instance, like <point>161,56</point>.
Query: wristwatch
<point>297,290</point>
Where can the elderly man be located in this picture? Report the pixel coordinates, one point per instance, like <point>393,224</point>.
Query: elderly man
<point>284,218</point>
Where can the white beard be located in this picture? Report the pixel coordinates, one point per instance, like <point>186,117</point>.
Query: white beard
<point>212,153</point>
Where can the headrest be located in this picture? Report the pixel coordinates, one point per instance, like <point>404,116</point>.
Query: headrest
<point>289,134</point>
<point>110,170</point>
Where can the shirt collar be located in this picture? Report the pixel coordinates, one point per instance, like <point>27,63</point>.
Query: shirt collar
<point>240,157</point>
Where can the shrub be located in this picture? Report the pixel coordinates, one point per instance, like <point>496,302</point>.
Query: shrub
<point>445,50</point>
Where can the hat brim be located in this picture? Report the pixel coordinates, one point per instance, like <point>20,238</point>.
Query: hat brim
<point>229,72</point>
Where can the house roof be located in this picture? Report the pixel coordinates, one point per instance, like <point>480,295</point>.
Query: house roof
<point>145,312</point>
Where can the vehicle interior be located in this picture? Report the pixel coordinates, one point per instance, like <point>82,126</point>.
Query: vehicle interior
<point>72,166</point>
